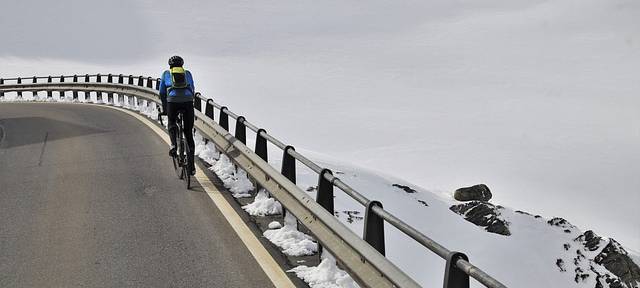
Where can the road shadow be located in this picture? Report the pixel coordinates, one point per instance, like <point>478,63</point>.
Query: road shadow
<point>22,131</point>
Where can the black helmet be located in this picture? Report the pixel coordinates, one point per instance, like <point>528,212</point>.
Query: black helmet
<point>176,61</point>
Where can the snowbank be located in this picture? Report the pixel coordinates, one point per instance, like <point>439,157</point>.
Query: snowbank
<point>235,180</point>
<point>325,275</point>
<point>292,241</point>
<point>263,205</point>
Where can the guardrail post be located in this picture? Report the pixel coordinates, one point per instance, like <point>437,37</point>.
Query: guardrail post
<point>224,118</point>
<point>288,171</point>
<point>149,82</point>
<point>87,94</point>
<point>374,227</point>
<point>158,84</point>
<point>19,92</point>
<point>49,92</point>
<point>324,197</point>
<point>241,130</point>
<point>110,94</point>
<point>34,94</point>
<point>453,276</point>
<point>261,150</point>
<point>197,101</point>
<point>289,164</point>
<point>75,92</point>
<point>98,93</point>
<point>140,81</point>
<point>1,93</point>
<point>130,82</point>
<point>62,93</point>
<point>208,109</point>
<point>261,145</point>
<point>120,96</point>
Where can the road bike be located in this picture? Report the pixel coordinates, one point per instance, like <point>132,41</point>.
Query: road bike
<point>180,161</point>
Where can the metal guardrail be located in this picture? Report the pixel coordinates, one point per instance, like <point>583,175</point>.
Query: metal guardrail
<point>362,258</point>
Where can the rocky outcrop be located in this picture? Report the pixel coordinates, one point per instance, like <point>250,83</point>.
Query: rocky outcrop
<point>617,261</point>
<point>562,223</point>
<point>478,192</point>
<point>483,214</point>
<point>598,258</point>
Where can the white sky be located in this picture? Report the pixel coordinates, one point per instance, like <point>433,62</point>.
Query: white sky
<point>538,99</point>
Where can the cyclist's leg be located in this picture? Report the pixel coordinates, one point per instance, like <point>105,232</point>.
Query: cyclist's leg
<point>172,113</point>
<point>188,132</point>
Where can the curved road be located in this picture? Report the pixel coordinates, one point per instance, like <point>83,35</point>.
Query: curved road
<point>88,198</point>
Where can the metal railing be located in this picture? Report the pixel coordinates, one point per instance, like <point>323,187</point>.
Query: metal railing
<point>362,258</point>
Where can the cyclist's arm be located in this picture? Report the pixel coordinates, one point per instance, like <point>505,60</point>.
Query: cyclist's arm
<point>163,92</point>
<point>192,87</point>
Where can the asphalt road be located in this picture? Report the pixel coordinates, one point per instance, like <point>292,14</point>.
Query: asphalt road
<point>88,198</point>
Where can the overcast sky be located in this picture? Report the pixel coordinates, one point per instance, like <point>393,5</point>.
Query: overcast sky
<point>538,99</point>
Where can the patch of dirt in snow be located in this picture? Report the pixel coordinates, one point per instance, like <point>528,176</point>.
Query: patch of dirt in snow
<point>352,215</point>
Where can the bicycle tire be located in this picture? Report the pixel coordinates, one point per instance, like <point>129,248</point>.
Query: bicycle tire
<point>177,165</point>
<point>187,171</point>
<point>187,177</point>
<point>181,168</point>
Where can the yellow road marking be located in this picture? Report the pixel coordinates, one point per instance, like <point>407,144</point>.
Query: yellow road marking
<point>262,256</point>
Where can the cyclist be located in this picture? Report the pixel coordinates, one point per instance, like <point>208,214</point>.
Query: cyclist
<point>176,92</point>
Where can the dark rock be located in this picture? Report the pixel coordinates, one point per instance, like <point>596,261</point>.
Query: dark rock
<point>405,188</point>
<point>622,272</point>
<point>483,214</point>
<point>478,192</point>
<point>423,203</point>
<point>560,264</point>
<point>560,222</point>
<point>590,240</point>
<point>617,261</point>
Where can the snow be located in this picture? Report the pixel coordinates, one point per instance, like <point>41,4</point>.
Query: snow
<point>534,243</point>
<point>325,275</point>
<point>207,152</point>
<point>291,241</point>
<point>275,225</point>
<point>235,180</point>
<point>263,205</point>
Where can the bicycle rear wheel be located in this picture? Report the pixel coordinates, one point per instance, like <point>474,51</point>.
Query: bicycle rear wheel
<point>187,172</point>
<point>177,165</point>
<point>182,159</point>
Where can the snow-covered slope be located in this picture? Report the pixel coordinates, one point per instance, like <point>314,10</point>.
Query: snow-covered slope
<point>538,251</point>
<point>526,258</point>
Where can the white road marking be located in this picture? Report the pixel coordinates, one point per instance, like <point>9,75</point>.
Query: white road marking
<point>278,277</point>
